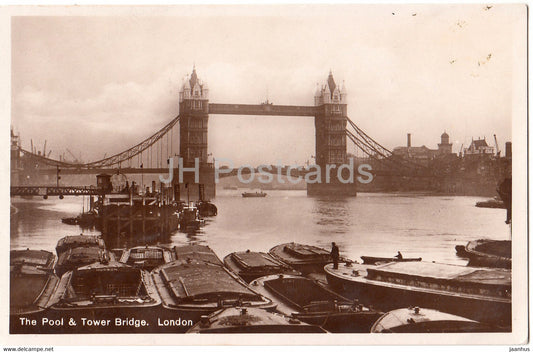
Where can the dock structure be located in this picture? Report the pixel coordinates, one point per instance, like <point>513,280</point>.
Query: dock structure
<point>133,218</point>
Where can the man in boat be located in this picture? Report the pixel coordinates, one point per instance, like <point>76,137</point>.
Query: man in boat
<point>399,255</point>
<point>335,255</point>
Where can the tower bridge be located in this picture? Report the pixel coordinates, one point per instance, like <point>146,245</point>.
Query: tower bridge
<point>332,130</point>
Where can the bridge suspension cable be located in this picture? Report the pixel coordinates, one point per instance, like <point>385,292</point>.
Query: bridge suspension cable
<point>116,159</point>
<point>376,151</point>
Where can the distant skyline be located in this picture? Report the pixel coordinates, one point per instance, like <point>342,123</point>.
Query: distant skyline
<point>100,84</point>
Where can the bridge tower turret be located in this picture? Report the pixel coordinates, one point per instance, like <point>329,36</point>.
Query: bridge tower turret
<point>194,117</point>
<point>330,126</point>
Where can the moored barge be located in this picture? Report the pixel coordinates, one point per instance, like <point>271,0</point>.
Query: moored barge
<point>304,299</point>
<point>31,282</point>
<point>481,294</point>
<point>77,251</point>
<point>250,320</point>
<point>489,253</point>
<point>302,257</point>
<point>191,287</point>
<point>104,298</point>
<point>423,320</point>
<point>147,257</point>
<point>251,265</point>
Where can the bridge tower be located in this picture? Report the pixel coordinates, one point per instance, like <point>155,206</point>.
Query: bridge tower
<point>194,117</point>
<point>330,153</point>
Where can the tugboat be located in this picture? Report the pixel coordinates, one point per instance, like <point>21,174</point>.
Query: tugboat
<point>423,320</point>
<point>31,281</point>
<point>250,320</point>
<point>480,294</point>
<point>191,287</point>
<point>147,257</point>
<point>302,257</point>
<point>206,208</point>
<point>251,265</point>
<point>76,251</point>
<point>254,194</point>
<point>99,295</point>
<point>306,300</point>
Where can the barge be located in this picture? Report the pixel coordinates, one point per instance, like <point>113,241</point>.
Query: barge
<point>489,253</point>
<point>104,298</point>
<point>250,320</point>
<point>147,257</point>
<point>302,257</point>
<point>252,265</point>
<point>31,282</point>
<point>77,251</point>
<point>304,299</point>
<point>191,287</point>
<point>423,320</point>
<point>480,294</point>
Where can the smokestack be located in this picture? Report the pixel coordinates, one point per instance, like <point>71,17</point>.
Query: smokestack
<point>408,140</point>
<point>508,150</point>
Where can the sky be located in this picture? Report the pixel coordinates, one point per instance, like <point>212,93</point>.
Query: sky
<point>100,83</point>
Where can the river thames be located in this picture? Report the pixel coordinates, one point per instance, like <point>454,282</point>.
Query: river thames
<point>371,224</point>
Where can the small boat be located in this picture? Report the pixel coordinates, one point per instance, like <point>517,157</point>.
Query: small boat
<point>76,251</point>
<point>304,299</point>
<point>191,287</point>
<point>423,320</point>
<point>375,260</point>
<point>84,220</point>
<point>495,202</point>
<point>254,194</point>
<point>489,253</point>
<point>480,294</point>
<point>31,281</point>
<point>302,257</point>
<point>70,221</point>
<point>251,265</point>
<point>104,298</point>
<point>250,320</point>
<point>147,257</point>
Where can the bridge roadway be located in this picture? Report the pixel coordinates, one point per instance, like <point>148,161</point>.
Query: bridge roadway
<point>54,191</point>
<point>262,109</point>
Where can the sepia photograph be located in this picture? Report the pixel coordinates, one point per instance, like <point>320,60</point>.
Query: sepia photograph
<point>266,174</point>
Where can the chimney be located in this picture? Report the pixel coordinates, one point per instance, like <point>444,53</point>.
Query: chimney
<point>508,150</point>
<point>408,140</point>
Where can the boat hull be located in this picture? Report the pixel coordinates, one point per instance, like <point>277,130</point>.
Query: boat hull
<point>374,260</point>
<point>306,264</point>
<point>307,301</point>
<point>489,253</point>
<point>251,273</point>
<point>384,296</point>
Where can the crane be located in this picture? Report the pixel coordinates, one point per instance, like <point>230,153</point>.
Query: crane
<point>496,143</point>
<point>74,156</point>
